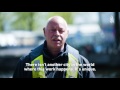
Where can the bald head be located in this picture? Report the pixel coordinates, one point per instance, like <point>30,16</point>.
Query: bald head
<point>56,33</point>
<point>57,19</point>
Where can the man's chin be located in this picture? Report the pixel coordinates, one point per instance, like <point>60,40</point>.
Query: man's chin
<point>57,46</point>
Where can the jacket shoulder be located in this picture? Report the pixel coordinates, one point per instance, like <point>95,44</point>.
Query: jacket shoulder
<point>36,52</point>
<point>76,53</point>
<point>32,55</point>
<point>72,51</point>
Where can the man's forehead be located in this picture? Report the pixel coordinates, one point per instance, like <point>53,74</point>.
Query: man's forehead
<point>57,21</point>
<point>56,25</point>
<point>55,18</point>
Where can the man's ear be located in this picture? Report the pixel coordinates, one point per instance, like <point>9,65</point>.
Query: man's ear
<point>67,33</point>
<point>44,31</point>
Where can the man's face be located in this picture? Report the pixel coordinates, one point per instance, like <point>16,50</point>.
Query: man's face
<point>56,34</point>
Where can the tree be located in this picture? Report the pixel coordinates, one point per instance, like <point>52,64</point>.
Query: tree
<point>24,21</point>
<point>37,20</point>
<point>2,21</point>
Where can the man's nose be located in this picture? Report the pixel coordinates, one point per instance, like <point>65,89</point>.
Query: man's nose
<point>57,32</point>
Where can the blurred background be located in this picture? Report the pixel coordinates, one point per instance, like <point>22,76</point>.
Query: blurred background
<point>95,34</point>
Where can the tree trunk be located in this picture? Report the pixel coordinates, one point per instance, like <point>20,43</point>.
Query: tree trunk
<point>31,21</point>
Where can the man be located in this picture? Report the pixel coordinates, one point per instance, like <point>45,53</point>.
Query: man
<point>54,58</point>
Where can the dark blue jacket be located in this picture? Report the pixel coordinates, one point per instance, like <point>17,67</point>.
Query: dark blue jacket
<point>62,57</point>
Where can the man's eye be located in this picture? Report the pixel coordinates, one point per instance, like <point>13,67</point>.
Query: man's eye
<point>61,31</point>
<point>52,30</point>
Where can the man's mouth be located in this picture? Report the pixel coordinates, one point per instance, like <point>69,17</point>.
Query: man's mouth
<point>56,40</point>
